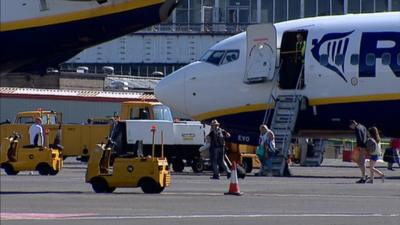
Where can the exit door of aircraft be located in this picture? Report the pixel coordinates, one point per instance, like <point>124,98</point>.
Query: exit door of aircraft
<point>292,59</point>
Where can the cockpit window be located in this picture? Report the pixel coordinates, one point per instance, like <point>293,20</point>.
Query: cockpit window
<point>215,57</point>
<point>218,57</point>
<point>230,56</point>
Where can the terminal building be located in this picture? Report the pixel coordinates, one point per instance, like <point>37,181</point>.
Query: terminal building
<point>196,25</point>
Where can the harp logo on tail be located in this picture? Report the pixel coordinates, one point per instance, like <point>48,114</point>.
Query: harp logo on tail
<point>333,47</point>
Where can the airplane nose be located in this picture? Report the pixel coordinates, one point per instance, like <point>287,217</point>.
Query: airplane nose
<point>171,91</point>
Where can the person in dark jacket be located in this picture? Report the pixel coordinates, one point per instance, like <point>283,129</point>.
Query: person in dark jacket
<point>216,138</point>
<point>361,134</point>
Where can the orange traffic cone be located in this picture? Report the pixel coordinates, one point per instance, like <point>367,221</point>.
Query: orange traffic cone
<point>234,184</point>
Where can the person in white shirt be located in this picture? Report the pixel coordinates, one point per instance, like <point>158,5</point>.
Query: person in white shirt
<point>36,133</point>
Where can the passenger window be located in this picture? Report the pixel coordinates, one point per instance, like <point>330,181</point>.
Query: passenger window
<point>339,60</point>
<point>215,57</point>
<point>324,60</point>
<point>354,59</point>
<point>386,57</point>
<point>398,59</point>
<point>230,56</point>
<point>370,60</point>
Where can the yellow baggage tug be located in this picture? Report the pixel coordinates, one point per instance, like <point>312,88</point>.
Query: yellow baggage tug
<point>15,158</point>
<point>120,164</point>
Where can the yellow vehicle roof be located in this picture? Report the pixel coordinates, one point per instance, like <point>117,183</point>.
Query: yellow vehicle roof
<point>35,113</point>
<point>139,103</point>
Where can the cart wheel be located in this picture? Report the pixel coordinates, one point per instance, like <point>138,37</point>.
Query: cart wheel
<point>149,186</point>
<point>43,169</point>
<point>198,165</point>
<point>178,165</point>
<point>9,169</point>
<point>100,185</point>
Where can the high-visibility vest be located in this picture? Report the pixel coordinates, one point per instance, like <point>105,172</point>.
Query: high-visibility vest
<point>301,47</point>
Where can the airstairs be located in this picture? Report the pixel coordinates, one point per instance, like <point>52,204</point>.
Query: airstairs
<point>283,123</point>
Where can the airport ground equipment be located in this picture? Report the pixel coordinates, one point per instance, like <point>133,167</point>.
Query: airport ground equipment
<point>16,157</point>
<point>183,139</point>
<point>119,164</point>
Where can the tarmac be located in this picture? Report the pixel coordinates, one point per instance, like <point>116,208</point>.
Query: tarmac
<point>313,195</point>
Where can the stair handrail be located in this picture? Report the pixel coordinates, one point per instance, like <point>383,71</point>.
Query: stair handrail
<point>297,88</point>
<point>271,98</point>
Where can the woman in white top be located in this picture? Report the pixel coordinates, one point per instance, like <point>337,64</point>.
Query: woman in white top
<point>374,151</point>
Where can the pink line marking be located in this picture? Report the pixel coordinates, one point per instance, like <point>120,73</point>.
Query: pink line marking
<point>41,216</point>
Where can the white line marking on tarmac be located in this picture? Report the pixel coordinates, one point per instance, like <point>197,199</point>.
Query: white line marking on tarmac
<point>208,216</point>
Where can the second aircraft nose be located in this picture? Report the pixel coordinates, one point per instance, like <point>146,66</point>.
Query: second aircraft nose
<point>171,91</point>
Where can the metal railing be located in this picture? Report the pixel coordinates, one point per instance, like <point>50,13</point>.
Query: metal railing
<point>213,28</point>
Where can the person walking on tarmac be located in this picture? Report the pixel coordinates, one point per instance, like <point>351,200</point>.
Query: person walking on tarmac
<point>267,139</point>
<point>36,133</point>
<point>361,139</point>
<point>374,151</point>
<point>217,137</point>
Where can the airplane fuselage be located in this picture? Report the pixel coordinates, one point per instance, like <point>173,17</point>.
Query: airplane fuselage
<point>351,72</point>
<point>36,34</point>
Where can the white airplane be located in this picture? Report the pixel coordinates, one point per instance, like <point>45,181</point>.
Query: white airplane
<point>351,72</point>
<point>36,34</point>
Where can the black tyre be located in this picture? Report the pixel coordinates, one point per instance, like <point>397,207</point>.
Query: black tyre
<point>53,172</point>
<point>100,185</point>
<point>150,186</point>
<point>110,190</point>
<point>178,165</point>
<point>247,165</point>
<point>43,169</point>
<point>198,165</point>
<point>9,169</point>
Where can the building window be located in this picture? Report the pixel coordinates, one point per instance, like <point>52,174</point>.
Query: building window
<point>324,8</point>
<point>353,6</point>
<point>337,7</point>
<point>267,9</point>
<point>395,5</point>
<point>294,9</point>
<point>280,10</point>
<point>239,2</point>
<point>381,5</point>
<point>253,11</point>
<point>367,6</point>
<point>182,12</point>
<point>310,8</point>
<point>195,12</point>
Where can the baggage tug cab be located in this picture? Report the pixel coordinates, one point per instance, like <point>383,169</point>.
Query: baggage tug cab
<point>114,165</point>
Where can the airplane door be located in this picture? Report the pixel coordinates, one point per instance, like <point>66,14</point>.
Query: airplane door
<point>261,53</point>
